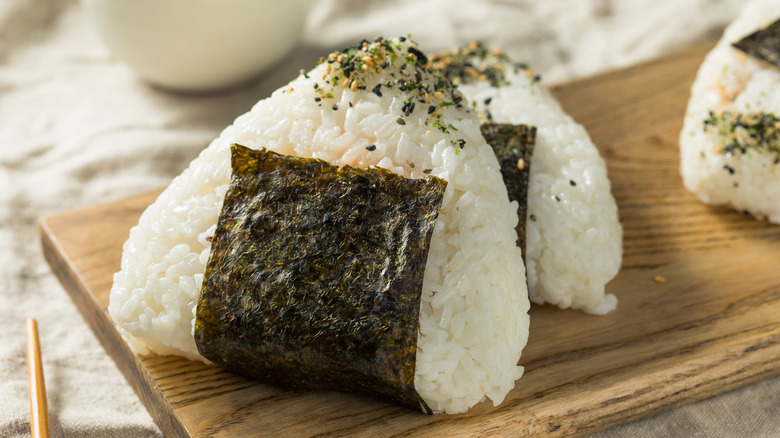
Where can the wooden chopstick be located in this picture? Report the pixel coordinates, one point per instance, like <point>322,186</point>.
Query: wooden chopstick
<point>39,412</point>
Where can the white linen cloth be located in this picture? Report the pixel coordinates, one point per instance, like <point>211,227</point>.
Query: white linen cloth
<point>77,127</point>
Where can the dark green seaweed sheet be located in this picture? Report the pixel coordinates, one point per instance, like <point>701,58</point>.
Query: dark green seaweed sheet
<point>512,143</point>
<point>763,44</point>
<point>315,275</point>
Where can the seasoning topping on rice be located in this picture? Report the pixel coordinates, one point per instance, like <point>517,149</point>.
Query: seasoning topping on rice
<point>476,62</point>
<point>394,66</point>
<point>743,132</point>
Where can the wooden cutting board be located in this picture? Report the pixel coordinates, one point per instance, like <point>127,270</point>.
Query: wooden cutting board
<point>710,327</point>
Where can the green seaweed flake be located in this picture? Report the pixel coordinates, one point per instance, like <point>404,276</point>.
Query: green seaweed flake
<point>513,146</point>
<point>315,275</point>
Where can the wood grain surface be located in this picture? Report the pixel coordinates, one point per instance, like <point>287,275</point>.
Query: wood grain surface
<point>710,327</point>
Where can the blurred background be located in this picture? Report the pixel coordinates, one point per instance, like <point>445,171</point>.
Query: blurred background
<point>79,126</point>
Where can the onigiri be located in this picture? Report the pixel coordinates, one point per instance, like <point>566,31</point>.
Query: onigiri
<point>573,232</point>
<point>374,104</point>
<point>730,141</point>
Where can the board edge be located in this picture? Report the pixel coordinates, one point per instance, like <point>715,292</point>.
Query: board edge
<point>128,363</point>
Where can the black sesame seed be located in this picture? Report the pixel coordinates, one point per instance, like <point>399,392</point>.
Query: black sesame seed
<point>427,171</point>
<point>317,99</point>
<point>572,183</point>
<point>488,100</point>
<point>729,169</point>
<point>408,108</point>
<point>400,121</point>
<point>418,54</point>
<point>401,39</point>
<point>537,78</point>
<point>532,217</point>
<point>376,91</point>
<point>410,163</point>
<point>431,109</point>
<point>335,107</point>
<point>371,147</point>
<point>558,199</point>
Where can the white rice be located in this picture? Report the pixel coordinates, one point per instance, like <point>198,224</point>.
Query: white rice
<point>474,310</point>
<point>730,80</point>
<point>573,234</point>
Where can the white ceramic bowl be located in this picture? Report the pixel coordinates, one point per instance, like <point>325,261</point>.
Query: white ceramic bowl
<point>198,45</point>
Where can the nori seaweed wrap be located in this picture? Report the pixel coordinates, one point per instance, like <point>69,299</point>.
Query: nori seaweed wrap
<point>763,44</point>
<point>514,147</point>
<point>315,275</point>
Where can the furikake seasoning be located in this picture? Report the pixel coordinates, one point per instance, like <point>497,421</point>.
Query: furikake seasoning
<point>388,67</point>
<point>514,147</point>
<point>476,62</point>
<point>315,275</point>
<point>742,133</point>
<point>763,44</point>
